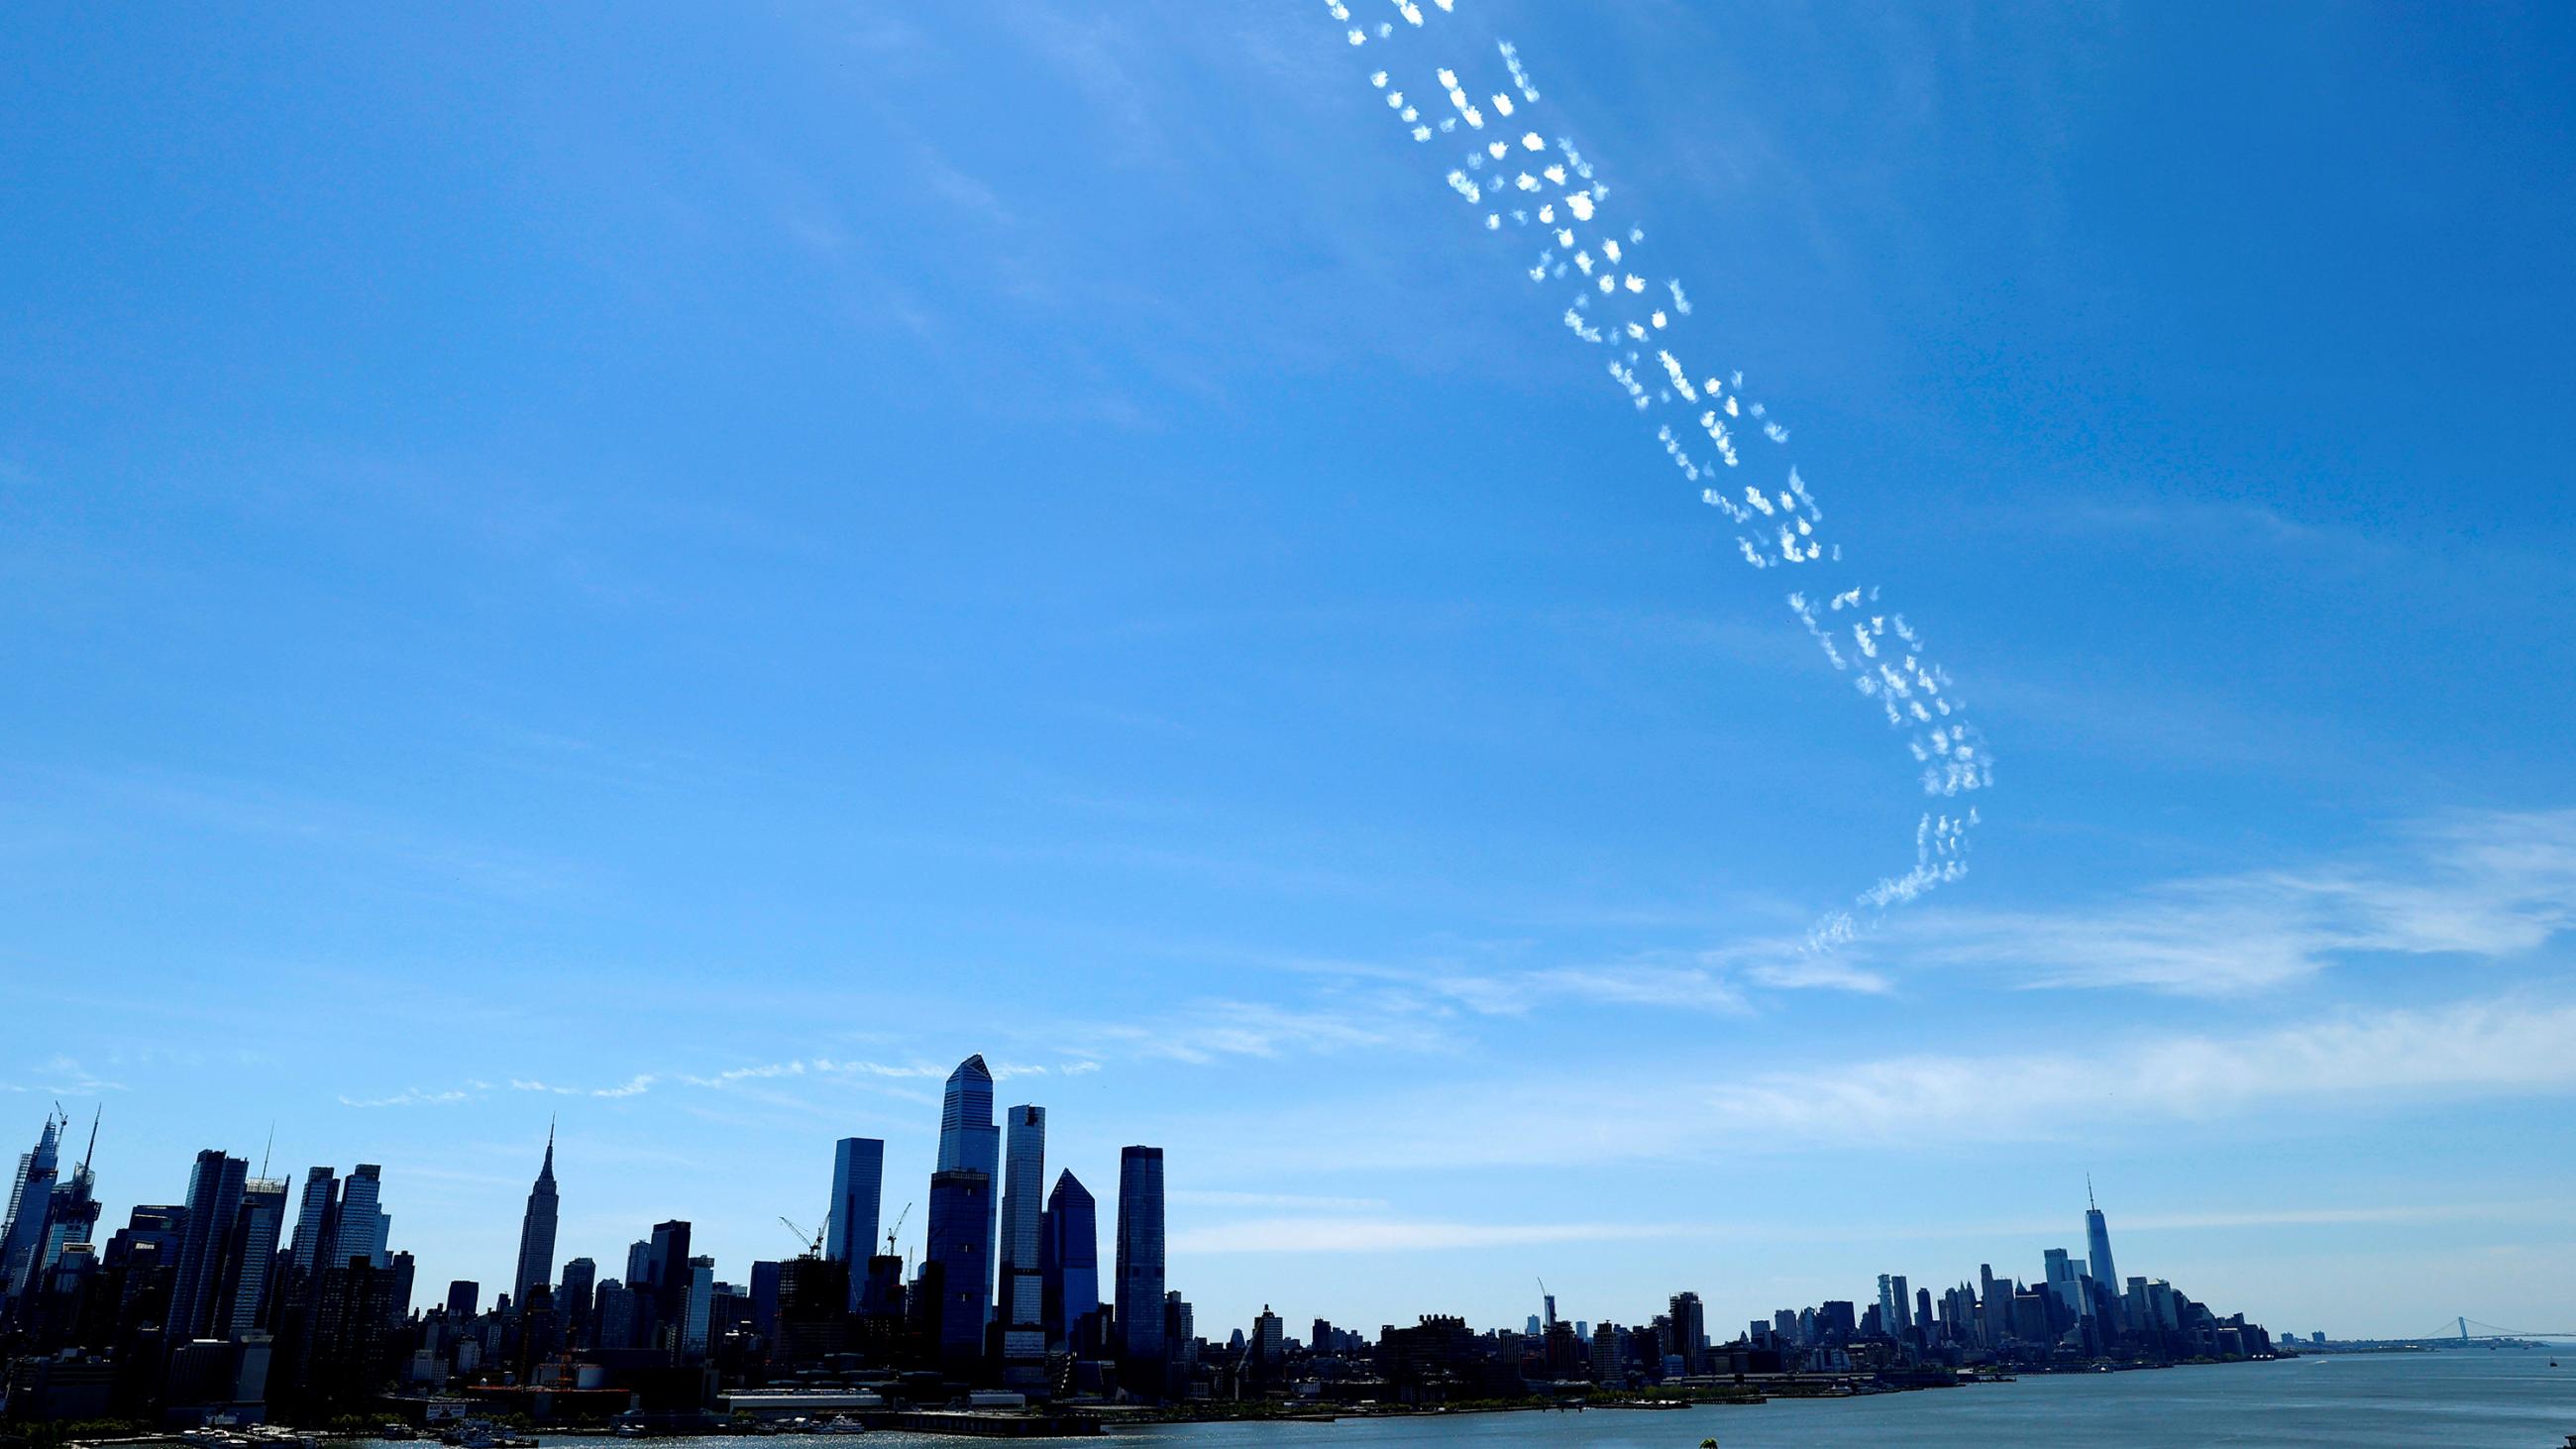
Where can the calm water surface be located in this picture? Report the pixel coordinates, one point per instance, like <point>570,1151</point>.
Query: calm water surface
<point>2466,1400</point>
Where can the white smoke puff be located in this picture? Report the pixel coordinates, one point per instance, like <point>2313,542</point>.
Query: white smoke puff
<point>1475,118</point>
<point>1411,12</point>
<point>1757,410</point>
<point>1378,79</point>
<point>1384,30</point>
<point>1681,300</point>
<point>1531,142</point>
<point>1410,115</point>
<point>1636,235</point>
<point>1633,282</point>
<point>1657,320</point>
<point>1525,182</point>
<point>1459,183</point>
<point>1775,432</point>
<point>1493,222</point>
<point>1422,133</point>
<point>1730,401</point>
<point>1610,249</point>
<point>1496,149</point>
<point>1636,333</point>
<point>1673,370</point>
<point>1564,238</point>
<point>1582,262</point>
<point>1448,124</point>
<point>1358,38</point>
<point>1754,497</point>
<point>1395,100</point>
<point>1520,218</point>
<point>1739,377</point>
<point>1580,205</point>
<point>1752,555</point>
<point>1800,488</point>
<point>1547,213</point>
<point>1502,104</point>
<point>1607,283</point>
<point>1555,175</point>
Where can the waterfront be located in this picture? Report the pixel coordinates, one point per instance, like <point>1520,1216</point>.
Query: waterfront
<point>2462,1400</point>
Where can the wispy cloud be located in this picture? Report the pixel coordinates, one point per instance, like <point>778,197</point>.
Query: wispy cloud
<point>412,1097</point>
<point>2489,885</point>
<point>2353,1061</point>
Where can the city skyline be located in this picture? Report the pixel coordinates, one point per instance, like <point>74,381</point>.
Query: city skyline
<point>689,577</point>
<point>224,1296</point>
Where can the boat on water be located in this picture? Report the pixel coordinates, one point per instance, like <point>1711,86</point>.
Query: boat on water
<point>840,1424</point>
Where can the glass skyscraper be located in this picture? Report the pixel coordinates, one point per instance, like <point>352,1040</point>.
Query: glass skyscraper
<point>858,1195</point>
<point>1140,1262</point>
<point>214,1201</point>
<point>2097,1242</point>
<point>1069,1267</point>
<point>969,1142</point>
<point>1021,1299</point>
<point>959,1243</point>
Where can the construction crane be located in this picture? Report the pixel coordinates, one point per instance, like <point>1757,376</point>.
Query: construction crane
<point>897,1228</point>
<point>814,1248</point>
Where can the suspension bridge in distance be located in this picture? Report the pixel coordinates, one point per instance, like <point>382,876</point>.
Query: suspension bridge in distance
<point>2470,1330</point>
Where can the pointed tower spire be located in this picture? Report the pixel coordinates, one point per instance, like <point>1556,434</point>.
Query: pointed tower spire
<point>2088,1193</point>
<point>548,1171</point>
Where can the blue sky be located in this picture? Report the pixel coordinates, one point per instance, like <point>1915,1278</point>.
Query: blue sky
<point>688,573</point>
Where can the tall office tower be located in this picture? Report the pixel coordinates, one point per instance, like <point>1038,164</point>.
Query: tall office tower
<point>1690,1332</point>
<point>1549,1303</point>
<point>464,1299</point>
<point>71,1216</point>
<point>959,1243</point>
<point>537,1231</point>
<point>1607,1365</point>
<point>1021,1301</point>
<point>572,1300</point>
<point>1904,1318</point>
<point>1533,1328</point>
<point>1923,1311</point>
<point>241,1305</point>
<point>361,1226</point>
<point>22,1235</point>
<point>969,1140</point>
<point>214,1201</point>
<point>2066,1281</point>
<point>1069,1268</point>
<point>666,1275</point>
<point>1140,1265</point>
<point>699,1309</point>
<point>858,1196</point>
<point>313,1214</point>
<point>639,1263</point>
<point>1887,1304</point>
<point>2097,1243</point>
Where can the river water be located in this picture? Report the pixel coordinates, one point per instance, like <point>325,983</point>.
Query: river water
<point>2465,1399</point>
<point>2470,1399</point>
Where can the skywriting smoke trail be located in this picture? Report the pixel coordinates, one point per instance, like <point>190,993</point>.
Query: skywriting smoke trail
<point>1515,175</point>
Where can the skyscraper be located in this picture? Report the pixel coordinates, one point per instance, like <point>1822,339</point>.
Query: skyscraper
<point>858,1196</point>
<point>1690,1332</point>
<point>22,1234</point>
<point>313,1214</point>
<point>969,1141</point>
<point>1140,1265</point>
<point>1020,1303</point>
<point>2097,1244</point>
<point>1069,1267</point>
<point>666,1277</point>
<point>572,1300</point>
<point>242,1289</point>
<point>959,1241</point>
<point>214,1200</point>
<point>361,1225</point>
<point>537,1231</point>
